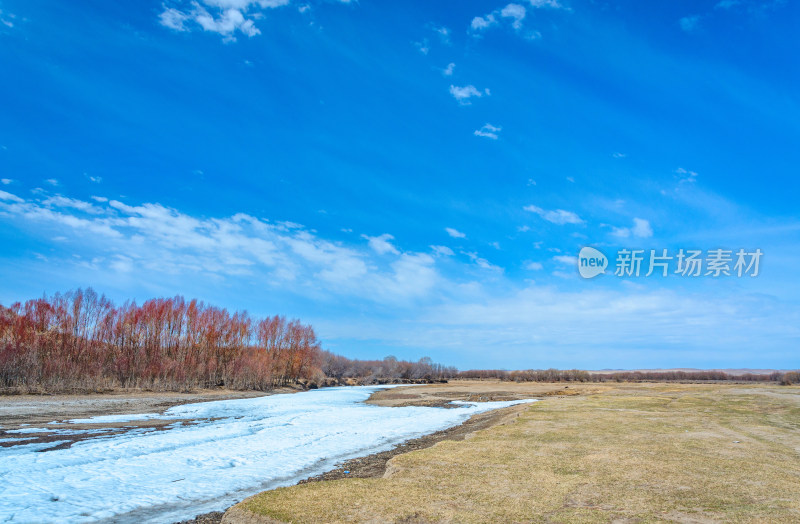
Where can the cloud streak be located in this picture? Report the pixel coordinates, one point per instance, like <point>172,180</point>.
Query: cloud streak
<point>488,131</point>
<point>151,240</point>
<point>557,216</point>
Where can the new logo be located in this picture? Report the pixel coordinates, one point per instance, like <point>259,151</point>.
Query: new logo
<point>591,262</point>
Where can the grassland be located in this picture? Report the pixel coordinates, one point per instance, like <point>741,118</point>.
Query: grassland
<point>591,453</point>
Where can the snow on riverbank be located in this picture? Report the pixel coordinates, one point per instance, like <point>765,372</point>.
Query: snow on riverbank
<point>233,449</point>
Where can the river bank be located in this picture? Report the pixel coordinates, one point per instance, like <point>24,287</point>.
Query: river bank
<point>192,458</point>
<point>644,452</point>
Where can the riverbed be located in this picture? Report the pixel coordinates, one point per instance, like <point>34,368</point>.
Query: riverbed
<point>199,457</point>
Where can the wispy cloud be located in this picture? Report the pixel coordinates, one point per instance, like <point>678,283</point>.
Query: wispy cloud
<point>448,71</point>
<point>464,93</point>
<point>513,14</point>
<point>9,197</point>
<point>225,17</point>
<point>566,260</point>
<point>686,175</point>
<point>443,251</point>
<point>654,322</point>
<point>381,244</point>
<point>479,23</point>
<point>488,131</point>
<point>640,229</point>
<point>482,262</point>
<point>7,19</point>
<point>455,233</point>
<point>443,32</point>
<point>552,4</point>
<point>153,240</point>
<point>557,216</point>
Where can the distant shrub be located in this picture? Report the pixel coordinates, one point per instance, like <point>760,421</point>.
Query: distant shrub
<point>790,377</point>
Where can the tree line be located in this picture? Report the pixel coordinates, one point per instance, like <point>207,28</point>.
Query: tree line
<point>577,375</point>
<point>82,341</point>
<point>388,370</point>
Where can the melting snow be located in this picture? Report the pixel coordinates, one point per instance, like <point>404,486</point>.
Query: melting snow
<point>236,448</point>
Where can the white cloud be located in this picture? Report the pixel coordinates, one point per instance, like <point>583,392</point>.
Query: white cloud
<point>618,155</point>
<point>480,23</point>
<point>442,251</point>
<point>226,22</point>
<point>381,244</point>
<point>7,20</point>
<point>8,196</point>
<point>533,266</point>
<point>174,19</point>
<point>566,260</point>
<point>553,4</point>
<point>558,216</point>
<point>483,263</point>
<point>523,229</point>
<point>515,11</point>
<point>689,23</point>
<point>545,326</point>
<point>52,181</point>
<point>64,202</point>
<point>488,131</point>
<point>424,47</point>
<point>448,71</point>
<point>686,175</point>
<point>153,242</point>
<point>640,229</point>
<point>455,233</point>
<point>6,181</point>
<point>444,34</point>
<point>224,17</point>
<point>463,94</point>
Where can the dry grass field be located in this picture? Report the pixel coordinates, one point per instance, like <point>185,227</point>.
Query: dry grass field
<point>590,453</point>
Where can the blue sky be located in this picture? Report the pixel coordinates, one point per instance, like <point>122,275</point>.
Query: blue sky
<point>414,178</point>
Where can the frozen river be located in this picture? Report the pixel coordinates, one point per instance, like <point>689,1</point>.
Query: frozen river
<point>232,449</point>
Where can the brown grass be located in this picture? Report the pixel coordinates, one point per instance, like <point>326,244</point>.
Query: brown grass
<point>625,453</point>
